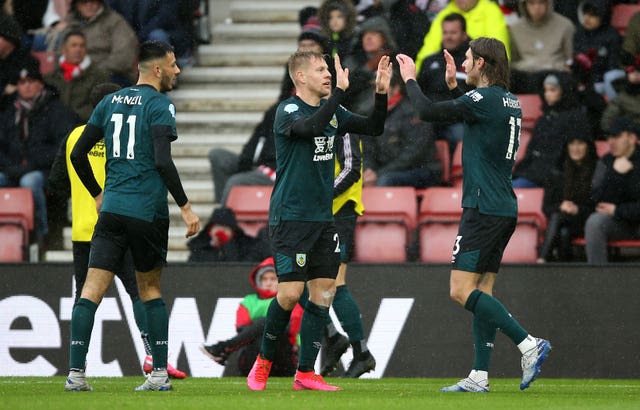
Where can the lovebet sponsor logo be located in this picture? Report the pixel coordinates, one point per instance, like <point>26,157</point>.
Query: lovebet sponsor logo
<point>43,349</point>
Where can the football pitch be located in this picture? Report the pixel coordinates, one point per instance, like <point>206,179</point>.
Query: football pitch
<point>231,393</point>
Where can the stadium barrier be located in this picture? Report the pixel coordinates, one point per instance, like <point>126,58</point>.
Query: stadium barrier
<point>590,315</point>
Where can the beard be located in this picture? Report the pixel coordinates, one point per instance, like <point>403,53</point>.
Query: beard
<point>166,84</point>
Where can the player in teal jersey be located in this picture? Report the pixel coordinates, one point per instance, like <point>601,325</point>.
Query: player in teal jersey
<point>303,236</point>
<point>492,118</point>
<point>138,126</point>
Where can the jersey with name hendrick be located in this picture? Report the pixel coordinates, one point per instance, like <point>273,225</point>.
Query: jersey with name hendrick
<point>489,149</point>
<point>133,186</point>
<point>305,166</point>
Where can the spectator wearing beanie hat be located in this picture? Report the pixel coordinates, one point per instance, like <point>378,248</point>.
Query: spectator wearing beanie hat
<point>12,57</point>
<point>311,38</point>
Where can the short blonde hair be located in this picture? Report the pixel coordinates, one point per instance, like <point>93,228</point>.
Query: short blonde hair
<point>300,59</point>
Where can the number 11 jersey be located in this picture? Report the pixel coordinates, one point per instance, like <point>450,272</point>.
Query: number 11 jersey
<point>133,186</point>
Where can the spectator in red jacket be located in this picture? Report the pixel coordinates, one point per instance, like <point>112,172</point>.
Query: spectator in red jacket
<point>250,318</point>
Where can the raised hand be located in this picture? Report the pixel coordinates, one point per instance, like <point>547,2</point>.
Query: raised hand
<point>383,75</point>
<point>450,71</point>
<point>407,67</point>
<point>342,75</point>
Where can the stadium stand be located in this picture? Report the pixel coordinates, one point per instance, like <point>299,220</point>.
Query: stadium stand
<point>251,206</point>
<point>16,221</point>
<point>530,104</point>
<point>621,14</point>
<point>438,220</point>
<point>529,233</point>
<point>385,231</point>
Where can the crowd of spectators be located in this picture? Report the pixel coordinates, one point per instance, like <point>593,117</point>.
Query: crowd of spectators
<point>90,42</point>
<point>569,45</point>
<point>586,73</point>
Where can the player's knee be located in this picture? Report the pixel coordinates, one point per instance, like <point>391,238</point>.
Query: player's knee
<point>458,295</point>
<point>288,298</point>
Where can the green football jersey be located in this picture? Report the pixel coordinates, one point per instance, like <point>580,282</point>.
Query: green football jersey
<point>490,146</point>
<point>133,186</point>
<point>304,166</point>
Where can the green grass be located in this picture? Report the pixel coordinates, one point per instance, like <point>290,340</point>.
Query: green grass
<point>231,393</point>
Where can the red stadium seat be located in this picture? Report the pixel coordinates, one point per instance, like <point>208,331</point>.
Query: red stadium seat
<point>440,212</point>
<point>16,221</point>
<point>13,243</point>
<point>250,203</point>
<point>385,231</point>
<point>530,104</point>
<point>47,61</point>
<point>442,148</point>
<point>621,14</point>
<point>621,243</point>
<point>529,233</point>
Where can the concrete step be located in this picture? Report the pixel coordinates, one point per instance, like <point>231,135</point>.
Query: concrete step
<point>273,11</point>
<point>193,168</point>
<point>198,191</point>
<point>197,145</point>
<point>247,32</point>
<point>216,100</point>
<point>249,54</point>
<point>232,76</point>
<point>216,123</point>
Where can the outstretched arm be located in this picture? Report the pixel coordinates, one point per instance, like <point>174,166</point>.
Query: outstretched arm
<point>427,109</point>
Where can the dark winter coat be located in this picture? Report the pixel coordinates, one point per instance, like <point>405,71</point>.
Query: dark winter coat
<point>75,93</point>
<point>623,190</point>
<point>603,43</point>
<point>542,162</point>
<point>49,124</point>
<point>405,144</point>
<point>432,73</point>
<point>261,147</point>
<point>241,248</point>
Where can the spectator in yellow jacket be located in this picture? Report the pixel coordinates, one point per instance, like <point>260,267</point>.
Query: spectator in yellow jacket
<point>484,19</point>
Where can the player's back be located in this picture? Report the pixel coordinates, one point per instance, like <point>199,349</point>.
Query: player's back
<point>133,185</point>
<point>490,145</point>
